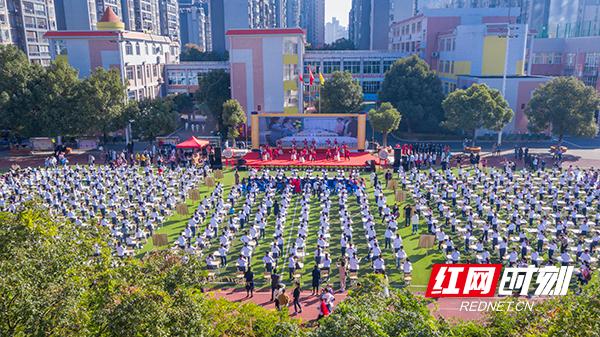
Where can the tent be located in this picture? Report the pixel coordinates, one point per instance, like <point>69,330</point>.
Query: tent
<point>193,142</point>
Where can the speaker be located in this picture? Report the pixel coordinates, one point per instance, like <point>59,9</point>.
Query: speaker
<point>397,157</point>
<point>372,166</point>
<point>216,161</point>
<point>241,162</point>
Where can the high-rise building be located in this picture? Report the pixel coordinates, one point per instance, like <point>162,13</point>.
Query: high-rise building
<point>195,25</point>
<point>239,14</point>
<point>147,16</point>
<point>359,24</point>
<point>293,13</point>
<point>84,14</point>
<point>169,19</point>
<point>312,18</point>
<point>334,32</point>
<point>24,24</point>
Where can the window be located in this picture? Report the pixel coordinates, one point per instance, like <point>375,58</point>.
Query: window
<point>39,9</point>
<point>330,66</point>
<point>129,73</point>
<point>41,23</point>
<point>441,67</point>
<point>453,43</point>
<point>290,72</point>
<point>137,48</point>
<point>592,59</point>
<point>448,44</point>
<point>128,48</point>
<point>34,50</point>
<point>315,66</point>
<point>29,22</point>
<point>419,27</point>
<point>371,67</point>
<point>141,94</point>
<point>154,49</point>
<point>352,66</point>
<point>290,98</point>
<point>442,44</point>
<point>139,72</point>
<point>176,78</point>
<point>570,60</point>
<point>146,45</point>
<point>547,58</point>
<point>412,28</point>
<point>370,87</point>
<point>28,7</point>
<point>131,95</point>
<point>4,35</point>
<point>290,46</point>
<point>590,80</point>
<point>452,68</point>
<point>31,36</point>
<point>387,65</point>
<point>154,70</point>
<point>193,78</point>
<point>446,88</point>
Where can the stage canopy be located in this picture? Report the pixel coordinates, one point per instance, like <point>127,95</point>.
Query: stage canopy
<point>193,142</point>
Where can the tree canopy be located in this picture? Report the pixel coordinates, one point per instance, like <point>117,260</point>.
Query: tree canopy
<point>192,53</point>
<point>52,101</point>
<point>565,104</point>
<point>214,90</point>
<point>339,44</point>
<point>384,120</point>
<point>154,117</point>
<point>475,108</point>
<point>341,93</point>
<point>233,115</point>
<point>416,92</point>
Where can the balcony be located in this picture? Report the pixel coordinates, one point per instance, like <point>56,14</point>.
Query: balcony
<point>590,71</point>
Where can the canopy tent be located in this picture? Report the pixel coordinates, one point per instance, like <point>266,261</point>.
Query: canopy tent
<point>193,142</point>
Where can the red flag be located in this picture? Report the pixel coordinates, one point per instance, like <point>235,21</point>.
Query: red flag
<point>312,78</point>
<point>301,79</point>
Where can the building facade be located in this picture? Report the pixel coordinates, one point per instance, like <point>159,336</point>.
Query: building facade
<point>169,19</point>
<point>334,31</point>
<point>195,25</point>
<point>141,58</point>
<point>312,19</point>
<point>183,77</point>
<point>24,24</point>
<point>265,66</point>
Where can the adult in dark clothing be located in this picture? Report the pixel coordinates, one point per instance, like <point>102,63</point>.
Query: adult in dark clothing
<point>276,208</point>
<point>274,282</point>
<point>316,280</point>
<point>249,276</point>
<point>296,297</point>
<point>407,214</point>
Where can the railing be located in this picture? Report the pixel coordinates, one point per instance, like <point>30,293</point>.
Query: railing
<point>574,29</point>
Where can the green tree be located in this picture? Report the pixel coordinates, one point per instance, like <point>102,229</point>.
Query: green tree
<point>414,90</point>
<point>233,115</point>
<point>102,103</point>
<point>182,102</point>
<point>16,79</point>
<point>339,44</point>
<point>385,120</point>
<point>154,117</point>
<point>192,53</point>
<point>567,105</point>
<point>341,93</point>
<point>475,108</point>
<point>214,89</point>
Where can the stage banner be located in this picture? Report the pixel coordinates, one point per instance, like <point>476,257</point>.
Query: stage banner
<point>346,129</point>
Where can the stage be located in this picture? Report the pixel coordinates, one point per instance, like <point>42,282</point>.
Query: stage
<point>357,159</point>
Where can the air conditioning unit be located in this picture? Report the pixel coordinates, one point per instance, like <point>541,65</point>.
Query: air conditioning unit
<point>435,54</point>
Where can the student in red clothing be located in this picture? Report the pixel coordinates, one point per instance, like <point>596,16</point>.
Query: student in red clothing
<point>323,311</point>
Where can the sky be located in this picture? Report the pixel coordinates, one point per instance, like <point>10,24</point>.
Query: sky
<point>338,9</point>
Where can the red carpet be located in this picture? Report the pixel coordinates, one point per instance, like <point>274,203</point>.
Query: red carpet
<point>356,159</point>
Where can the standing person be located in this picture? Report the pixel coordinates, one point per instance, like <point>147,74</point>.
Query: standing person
<point>342,270</point>
<point>274,282</point>
<point>415,223</point>
<point>316,279</point>
<point>323,311</point>
<point>296,297</point>
<point>283,298</point>
<point>249,276</point>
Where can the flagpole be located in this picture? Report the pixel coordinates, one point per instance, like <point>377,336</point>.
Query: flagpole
<point>320,84</point>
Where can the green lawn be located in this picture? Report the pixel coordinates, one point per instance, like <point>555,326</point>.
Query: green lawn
<point>422,262</point>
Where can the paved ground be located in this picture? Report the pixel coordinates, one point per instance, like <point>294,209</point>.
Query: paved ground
<point>448,308</point>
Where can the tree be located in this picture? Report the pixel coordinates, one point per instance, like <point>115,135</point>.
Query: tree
<point>16,77</point>
<point>566,105</point>
<point>475,108</point>
<point>182,103</point>
<point>214,90</point>
<point>385,120</point>
<point>233,115</point>
<point>192,53</point>
<point>414,90</point>
<point>102,103</point>
<point>341,93</point>
<point>154,117</point>
<point>339,44</point>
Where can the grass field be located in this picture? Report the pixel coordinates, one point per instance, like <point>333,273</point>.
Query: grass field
<point>422,261</point>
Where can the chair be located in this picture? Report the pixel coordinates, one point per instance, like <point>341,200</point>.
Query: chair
<point>267,277</point>
<point>325,274</point>
<point>407,279</point>
<point>239,276</point>
<point>297,274</point>
<point>353,278</point>
<point>211,274</point>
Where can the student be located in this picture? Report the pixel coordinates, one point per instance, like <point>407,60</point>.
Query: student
<point>323,310</point>
<point>283,299</point>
